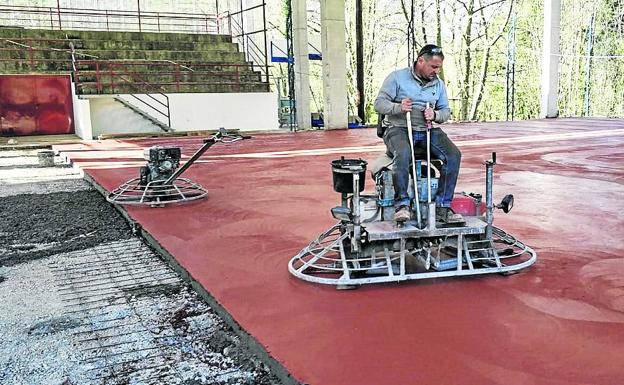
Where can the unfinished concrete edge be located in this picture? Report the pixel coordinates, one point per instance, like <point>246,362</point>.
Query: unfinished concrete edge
<point>247,339</point>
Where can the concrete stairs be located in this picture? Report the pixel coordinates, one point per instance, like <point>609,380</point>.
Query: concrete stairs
<point>155,121</point>
<point>130,62</point>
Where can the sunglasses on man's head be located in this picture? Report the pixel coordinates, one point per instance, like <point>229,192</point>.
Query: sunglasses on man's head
<point>431,51</point>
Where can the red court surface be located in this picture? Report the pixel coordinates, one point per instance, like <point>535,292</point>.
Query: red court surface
<point>559,322</point>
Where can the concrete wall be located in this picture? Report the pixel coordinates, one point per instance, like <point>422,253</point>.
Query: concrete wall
<point>189,112</point>
<point>243,111</point>
<point>82,116</point>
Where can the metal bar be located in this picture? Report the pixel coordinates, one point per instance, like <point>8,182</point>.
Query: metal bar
<point>139,13</point>
<point>136,248</point>
<point>80,266</point>
<point>90,323</point>
<point>91,288</point>
<point>428,160</point>
<point>489,177</point>
<point>147,277</point>
<point>218,19</point>
<point>95,358</point>
<point>266,58</point>
<point>168,112</point>
<point>410,134</point>
<point>113,290</point>
<point>108,346</point>
<point>196,155</point>
<point>149,105</point>
<point>58,8</point>
<point>460,248</point>
<point>136,370</point>
<point>177,77</point>
<point>105,328</point>
<point>110,73</point>
<point>98,78</point>
<point>246,9</point>
<point>359,43</point>
<point>104,276</point>
<point>588,60</point>
<point>31,54</point>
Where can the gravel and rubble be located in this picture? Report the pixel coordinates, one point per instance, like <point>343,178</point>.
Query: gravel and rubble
<point>84,301</point>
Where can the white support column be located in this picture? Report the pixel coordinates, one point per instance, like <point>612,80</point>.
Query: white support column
<point>333,44</point>
<point>550,59</point>
<point>302,65</point>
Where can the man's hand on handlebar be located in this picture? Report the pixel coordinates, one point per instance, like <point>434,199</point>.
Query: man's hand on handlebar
<point>429,114</point>
<point>406,105</point>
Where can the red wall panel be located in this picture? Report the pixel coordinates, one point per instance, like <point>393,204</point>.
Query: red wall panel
<point>35,105</point>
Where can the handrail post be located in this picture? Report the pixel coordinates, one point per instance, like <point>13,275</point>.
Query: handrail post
<point>178,78</point>
<point>158,20</point>
<point>106,13</point>
<point>98,76</point>
<point>217,17</point>
<point>58,9</point>
<point>110,73</point>
<point>266,58</point>
<point>139,13</point>
<point>168,111</point>
<point>32,59</point>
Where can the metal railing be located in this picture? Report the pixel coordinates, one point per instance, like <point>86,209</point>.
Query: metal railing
<point>257,55</point>
<point>150,91</point>
<point>62,18</point>
<point>105,74</point>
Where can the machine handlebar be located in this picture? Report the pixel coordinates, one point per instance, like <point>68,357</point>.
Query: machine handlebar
<point>226,137</point>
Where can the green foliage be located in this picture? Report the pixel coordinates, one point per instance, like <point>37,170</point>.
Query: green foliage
<point>470,45</point>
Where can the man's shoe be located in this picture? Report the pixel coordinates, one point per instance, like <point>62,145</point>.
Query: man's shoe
<point>402,214</point>
<point>446,215</point>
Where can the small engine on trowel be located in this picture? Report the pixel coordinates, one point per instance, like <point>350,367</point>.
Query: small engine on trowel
<point>161,163</point>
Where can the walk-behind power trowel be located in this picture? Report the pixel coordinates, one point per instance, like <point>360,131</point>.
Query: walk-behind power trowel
<point>159,182</point>
<point>368,246</point>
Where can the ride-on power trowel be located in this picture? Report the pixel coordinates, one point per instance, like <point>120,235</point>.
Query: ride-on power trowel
<point>368,246</point>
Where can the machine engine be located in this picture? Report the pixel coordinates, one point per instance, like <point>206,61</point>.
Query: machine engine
<point>162,162</point>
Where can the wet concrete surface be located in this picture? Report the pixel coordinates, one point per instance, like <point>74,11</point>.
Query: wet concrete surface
<point>558,322</point>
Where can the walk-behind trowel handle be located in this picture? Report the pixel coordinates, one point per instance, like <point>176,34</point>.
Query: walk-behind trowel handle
<point>219,136</point>
<point>222,134</point>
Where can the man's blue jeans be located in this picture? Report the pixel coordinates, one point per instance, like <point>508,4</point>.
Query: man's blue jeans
<point>442,148</point>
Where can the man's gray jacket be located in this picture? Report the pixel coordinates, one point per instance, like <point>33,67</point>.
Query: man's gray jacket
<point>402,84</point>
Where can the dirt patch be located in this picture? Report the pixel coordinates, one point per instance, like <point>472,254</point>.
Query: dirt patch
<point>35,226</point>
